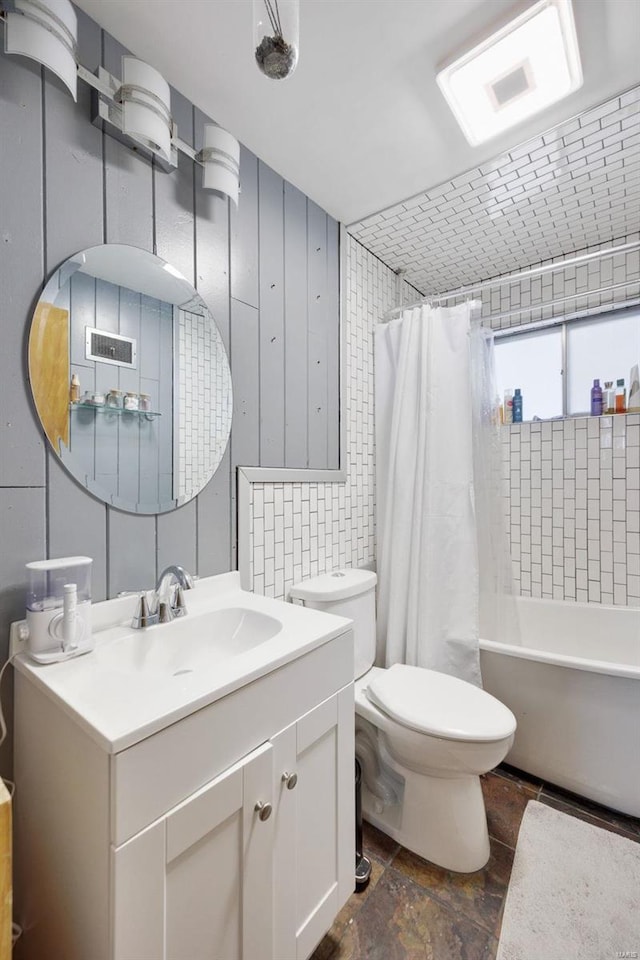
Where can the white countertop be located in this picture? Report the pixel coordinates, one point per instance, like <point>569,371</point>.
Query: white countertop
<point>118,708</point>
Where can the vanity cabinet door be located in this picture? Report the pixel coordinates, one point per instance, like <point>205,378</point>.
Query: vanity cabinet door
<point>314,857</point>
<point>197,883</point>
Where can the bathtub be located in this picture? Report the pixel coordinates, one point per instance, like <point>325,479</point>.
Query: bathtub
<point>572,680</point>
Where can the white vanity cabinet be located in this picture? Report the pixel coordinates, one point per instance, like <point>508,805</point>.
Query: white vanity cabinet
<point>197,883</point>
<point>167,850</point>
<point>314,863</point>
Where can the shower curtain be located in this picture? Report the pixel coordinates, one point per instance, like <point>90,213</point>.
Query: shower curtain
<point>439,514</point>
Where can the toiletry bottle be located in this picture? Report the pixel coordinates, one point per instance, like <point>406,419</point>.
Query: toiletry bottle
<point>621,397</point>
<point>74,389</point>
<point>517,406</point>
<point>633,403</point>
<point>508,406</point>
<point>596,399</point>
<point>608,398</point>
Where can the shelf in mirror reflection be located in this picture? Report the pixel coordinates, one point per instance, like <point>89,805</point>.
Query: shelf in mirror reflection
<point>116,411</point>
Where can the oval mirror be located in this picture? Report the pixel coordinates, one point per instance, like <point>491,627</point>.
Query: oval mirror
<point>130,378</point>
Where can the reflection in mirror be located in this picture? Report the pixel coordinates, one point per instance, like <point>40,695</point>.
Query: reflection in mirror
<point>130,378</point>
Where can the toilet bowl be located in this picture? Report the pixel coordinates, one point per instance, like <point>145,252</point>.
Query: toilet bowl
<point>423,738</point>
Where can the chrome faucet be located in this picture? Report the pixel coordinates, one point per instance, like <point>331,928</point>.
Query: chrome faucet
<point>172,583</point>
<point>167,600</point>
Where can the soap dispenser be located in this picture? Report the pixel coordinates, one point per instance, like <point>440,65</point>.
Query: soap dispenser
<point>59,609</point>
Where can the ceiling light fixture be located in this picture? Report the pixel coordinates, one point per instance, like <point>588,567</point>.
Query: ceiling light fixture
<point>276,36</point>
<point>530,63</point>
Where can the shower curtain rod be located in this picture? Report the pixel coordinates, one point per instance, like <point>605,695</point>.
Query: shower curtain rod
<point>557,321</point>
<point>515,277</point>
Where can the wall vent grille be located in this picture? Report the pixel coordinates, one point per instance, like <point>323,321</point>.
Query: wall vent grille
<point>107,347</point>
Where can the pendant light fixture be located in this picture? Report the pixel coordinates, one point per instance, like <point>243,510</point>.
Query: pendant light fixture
<point>276,36</point>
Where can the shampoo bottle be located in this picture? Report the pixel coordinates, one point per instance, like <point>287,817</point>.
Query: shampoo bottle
<point>596,399</point>
<point>74,389</point>
<point>633,404</point>
<point>517,406</point>
<point>609,398</point>
<point>621,397</point>
<point>508,406</point>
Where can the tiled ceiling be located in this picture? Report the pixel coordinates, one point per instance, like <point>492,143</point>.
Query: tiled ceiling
<point>577,185</point>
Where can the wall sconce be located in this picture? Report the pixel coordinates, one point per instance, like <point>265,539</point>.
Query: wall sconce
<point>136,110</point>
<point>220,158</point>
<point>146,106</point>
<point>45,31</point>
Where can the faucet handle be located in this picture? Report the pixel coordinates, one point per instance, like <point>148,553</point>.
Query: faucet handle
<point>179,606</point>
<point>143,616</point>
<point>165,612</point>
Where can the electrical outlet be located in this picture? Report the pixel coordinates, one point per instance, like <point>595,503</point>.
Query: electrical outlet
<point>18,636</point>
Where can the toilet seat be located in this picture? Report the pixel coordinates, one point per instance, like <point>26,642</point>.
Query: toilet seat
<point>439,705</point>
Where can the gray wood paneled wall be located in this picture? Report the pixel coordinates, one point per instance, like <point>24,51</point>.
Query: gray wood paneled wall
<point>128,458</point>
<point>268,271</point>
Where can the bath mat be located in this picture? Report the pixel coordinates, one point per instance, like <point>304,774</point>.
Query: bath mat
<point>574,892</point>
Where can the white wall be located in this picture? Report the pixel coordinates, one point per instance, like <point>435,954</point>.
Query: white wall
<point>574,508</point>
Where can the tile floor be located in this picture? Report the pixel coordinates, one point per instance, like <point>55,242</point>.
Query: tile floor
<point>413,910</point>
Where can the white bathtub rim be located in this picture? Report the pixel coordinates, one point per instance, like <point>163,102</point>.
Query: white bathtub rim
<point>562,660</point>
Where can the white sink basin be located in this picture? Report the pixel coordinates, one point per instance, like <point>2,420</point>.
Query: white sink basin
<point>136,682</point>
<point>190,644</point>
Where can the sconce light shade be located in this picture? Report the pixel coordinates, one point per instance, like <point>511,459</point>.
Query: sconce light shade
<point>45,31</point>
<point>146,106</point>
<point>220,158</point>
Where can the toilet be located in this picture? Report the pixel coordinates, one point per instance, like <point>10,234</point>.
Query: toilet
<point>423,738</point>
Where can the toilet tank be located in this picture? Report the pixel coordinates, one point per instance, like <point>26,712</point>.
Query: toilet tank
<point>347,593</point>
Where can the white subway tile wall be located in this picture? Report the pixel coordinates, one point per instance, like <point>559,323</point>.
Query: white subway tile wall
<point>575,186</point>
<point>572,486</point>
<point>574,508</point>
<point>205,402</point>
<point>616,279</point>
<point>301,529</point>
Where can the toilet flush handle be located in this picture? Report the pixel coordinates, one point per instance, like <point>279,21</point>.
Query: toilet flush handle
<point>290,779</point>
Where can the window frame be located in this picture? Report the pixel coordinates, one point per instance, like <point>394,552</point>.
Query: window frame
<point>508,333</point>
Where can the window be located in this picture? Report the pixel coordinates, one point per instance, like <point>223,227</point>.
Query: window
<point>532,362</point>
<point>604,348</point>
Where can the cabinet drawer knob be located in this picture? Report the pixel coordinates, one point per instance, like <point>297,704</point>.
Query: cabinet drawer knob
<point>263,809</point>
<point>290,779</point>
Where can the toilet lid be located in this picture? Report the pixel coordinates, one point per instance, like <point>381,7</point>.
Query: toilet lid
<point>440,705</point>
